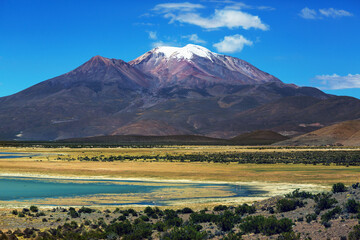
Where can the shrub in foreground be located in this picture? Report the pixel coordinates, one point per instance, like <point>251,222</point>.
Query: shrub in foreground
<point>266,225</point>
<point>338,187</point>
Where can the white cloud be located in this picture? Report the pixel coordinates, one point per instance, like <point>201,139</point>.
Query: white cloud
<point>241,5</point>
<point>221,18</point>
<point>152,35</point>
<point>308,13</point>
<point>335,81</point>
<point>194,38</point>
<point>334,13</point>
<point>185,7</point>
<point>162,43</point>
<point>231,44</point>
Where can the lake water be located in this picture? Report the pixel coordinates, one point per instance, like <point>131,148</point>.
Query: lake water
<point>14,155</point>
<point>28,189</point>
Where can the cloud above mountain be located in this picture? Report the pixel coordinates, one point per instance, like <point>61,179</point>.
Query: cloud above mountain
<point>194,38</point>
<point>231,44</point>
<point>221,18</point>
<point>335,82</point>
<point>308,13</point>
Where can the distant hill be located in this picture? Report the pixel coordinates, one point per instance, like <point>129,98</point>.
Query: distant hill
<point>173,139</point>
<point>344,133</point>
<point>259,137</point>
<point>253,138</point>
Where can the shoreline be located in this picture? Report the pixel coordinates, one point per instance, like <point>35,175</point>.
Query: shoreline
<point>270,189</point>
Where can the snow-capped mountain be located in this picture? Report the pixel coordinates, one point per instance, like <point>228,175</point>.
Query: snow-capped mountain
<point>167,91</point>
<point>195,66</point>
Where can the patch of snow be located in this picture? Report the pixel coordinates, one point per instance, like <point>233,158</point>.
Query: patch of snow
<point>186,52</point>
<point>20,134</point>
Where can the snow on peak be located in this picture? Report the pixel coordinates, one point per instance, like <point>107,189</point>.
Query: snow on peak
<point>186,52</point>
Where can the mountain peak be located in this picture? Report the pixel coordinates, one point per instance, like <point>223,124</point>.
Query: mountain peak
<point>186,52</point>
<point>99,58</point>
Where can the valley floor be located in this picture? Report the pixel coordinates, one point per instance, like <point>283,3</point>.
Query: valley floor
<point>64,162</point>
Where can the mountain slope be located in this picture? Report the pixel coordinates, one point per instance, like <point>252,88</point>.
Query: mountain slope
<point>344,133</point>
<point>77,103</point>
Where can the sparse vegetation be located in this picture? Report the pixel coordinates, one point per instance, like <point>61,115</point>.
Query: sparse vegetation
<point>220,222</point>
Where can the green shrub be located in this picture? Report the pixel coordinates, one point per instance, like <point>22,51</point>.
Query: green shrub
<point>330,214</point>
<point>324,201</point>
<point>265,225</point>
<point>355,233</point>
<point>187,210</point>
<point>86,210</point>
<point>297,194</point>
<point>233,236</point>
<point>40,214</point>
<point>352,206</point>
<point>144,218</point>
<point>338,187</point>
<point>285,205</point>
<point>185,233</point>
<point>203,217</point>
<point>243,209</point>
<point>34,209</point>
<point>73,213</point>
<point>220,208</point>
<point>160,226</point>
<point>311,217</point>
<point>227,220</point>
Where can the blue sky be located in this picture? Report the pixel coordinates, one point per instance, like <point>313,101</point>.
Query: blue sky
<point>308,43</point>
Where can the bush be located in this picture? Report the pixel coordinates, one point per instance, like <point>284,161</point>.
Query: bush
<point>144,218</point>
<point>227,220</point>
<point>73,213</point>
<point>233,236</point>
<point>187,210</point>
<point>220,208</point>
<point>34,209</point>
<point>243,209</point>
<point>355,234</point>
<point>297,194</point>
<point>203,217</point>
<point>120,228</point>
<point>285,205</point>
<point>338,187</point>
<point>311,217</point>
<point>86,210</point>
<point>40,214</point>
<point>330,214</point>
<point>190,232</point>
<point>352,206</point>
<point>323,201</point>
<point>267,226</point>
<point>159,226</point>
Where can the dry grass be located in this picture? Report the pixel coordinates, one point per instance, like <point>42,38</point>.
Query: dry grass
<point>47,164</point>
